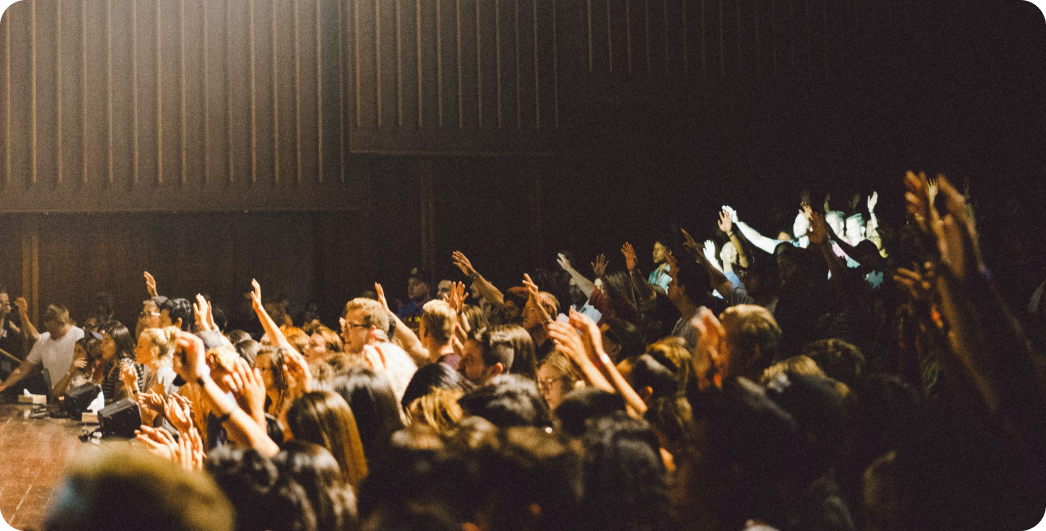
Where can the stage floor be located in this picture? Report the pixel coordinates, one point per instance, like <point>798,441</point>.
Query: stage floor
<point>33,455</point>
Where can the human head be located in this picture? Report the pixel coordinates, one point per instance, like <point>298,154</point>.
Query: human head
<point>507,400</point>
<point>688,283</point>
<point>621,339</point>
<point>56,320</point>
<point>181,314</point>
<point>750,344</point>
<point>660,250</point>
<point>855,229</point>
<point>156,345</point>
<point>515,337</point>
<point>152,314</point>
<point>85,348</point>
<point>322,342</point>
<point>728,253</point>
<point>672,354</point>
<point>443,289</point>
<point>584,404</point>
<point>269,361</point>
<point>482,360</point>
<point>324,418</point>
<point>556,378</point>
<point>438,409</point>
<point>515,300</point>
<point>431,377</point>
<point>264,497</point>
<point>836,219</point>
<point>418,288</point>
<point>374,406</point>
<point>437,322</point>
<point>360,315</point>
<point>314,468</point>
<point>5,301</point>
<point>531,314</point>
<point>821,415</point>
<point>837,358</point>
<point>800,226</point>
<point>761,277</point>
<point>117,341</point>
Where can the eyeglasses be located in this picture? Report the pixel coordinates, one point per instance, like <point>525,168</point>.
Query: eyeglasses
<point>345,323</point>
<point>546,383</point>
<point>145,314</point>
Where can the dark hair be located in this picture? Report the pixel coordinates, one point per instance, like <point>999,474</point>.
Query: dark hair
<point>649,372</point>
<point>235,336</point>
<point>431,377</point>
<point>508,400</point>
<point>694,279</point>
<point>819,411</point>
<point>524,357</point>
<point>492,353</point>
<point>621,297</point>
<point>583,404</point>
<point>837,358</point>
<point>122,337</point>
<point>316,470</point>
<point>625,479</point>
<point>374,405</point>
<point>625,334</point>
<point>263,498</point>
<point>182,309</point>
<point>324,418</point>
<point>248,350</point>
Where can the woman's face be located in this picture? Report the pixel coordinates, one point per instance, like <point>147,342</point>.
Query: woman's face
<point>512,312</point>
<point>145,351</point>
<point>552,385</point>
<point>79,352</point>
<point>108,347</point>
<point>317,348</point>
<point>264,365</point>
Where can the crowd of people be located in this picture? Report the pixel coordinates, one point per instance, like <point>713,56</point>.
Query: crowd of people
<point>844,375</point>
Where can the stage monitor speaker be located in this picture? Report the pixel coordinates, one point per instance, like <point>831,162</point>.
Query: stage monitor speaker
<point>121,418</point>
<point>77,399</point>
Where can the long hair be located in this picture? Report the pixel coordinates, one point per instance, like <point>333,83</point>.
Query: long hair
<point>316,470</point>
<point>524,361</point>
<point>324,418</point>
<point>122,337</point>
<point>374,406</point>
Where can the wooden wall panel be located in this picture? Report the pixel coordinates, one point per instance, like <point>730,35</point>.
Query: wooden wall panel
<point>157,105</point>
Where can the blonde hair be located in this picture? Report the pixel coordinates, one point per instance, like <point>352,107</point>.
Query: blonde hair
<point>560,363</point>
<point>373,313</point>
<point>439,319</point>
<point>796,364</point>
<point>755,337</point>
<point>438,409</point>
<point>163,339</point>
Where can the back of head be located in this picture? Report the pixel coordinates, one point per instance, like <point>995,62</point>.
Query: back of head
<point>439,319</point>
<point>820,413</point>
<point>248,349</point>
<point>324,418</point>
<point>373,313</point>
<point>439,409</point>
<point>56,313</point>
<point>431,377</point>
<point>508,400</point>
<point>515,337</point>
<point>625,479</point>
<point>671,352</point>
<point>582,405</point>
<point>374,406</point>
<point>316,470</point>
<point>626,334</point>
<point>163,339</point>
<point>182,309</point>
<point>754,339</point>
<point>264,498</point>
<point>837,358</point>
<point>694,279</point>
<point>648,372</point>
<point>133,490</point>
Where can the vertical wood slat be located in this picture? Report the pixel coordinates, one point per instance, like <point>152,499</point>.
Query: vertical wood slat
<point>275,101</point>
<point>7,100</point>
<point>32,46</point>
<point>297,94</point>
<point>319,92</point>
<point>58,92</point>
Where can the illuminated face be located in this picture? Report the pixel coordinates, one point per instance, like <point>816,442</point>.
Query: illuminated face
<point>5,304</point>
<point>316,349</point>
<point>836,221</point>
<point>145,351</point>
<point>471,365</point>
<point>150,316</point>
<point>417,289</point>
<point>108,347</point>
<point>264,365</point>
<point>512,312</point>
<point>854,230</point>
<point>659,253</point>
<point>443,289</point>
<point>728,254</point>
<point>354,331</point>
<point>552,386</point>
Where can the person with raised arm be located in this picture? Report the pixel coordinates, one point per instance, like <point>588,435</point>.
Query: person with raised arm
<point>53,350</point>
<point>538,313</point>
<point>364,328</point>
<point>404,336</point>
<point>491,298</point>
<point>580,287</point>
<point>798,236</point>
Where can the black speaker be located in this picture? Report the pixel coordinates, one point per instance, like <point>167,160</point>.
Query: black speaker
<point>121,418</point>
<point>77,399</point>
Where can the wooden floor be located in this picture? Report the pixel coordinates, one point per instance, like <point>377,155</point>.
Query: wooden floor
<point>33,454</point>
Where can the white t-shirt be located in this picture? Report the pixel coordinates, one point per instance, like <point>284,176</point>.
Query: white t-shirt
<point>55,355</point>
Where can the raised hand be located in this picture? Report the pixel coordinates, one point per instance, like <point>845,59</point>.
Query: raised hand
<point>872,200</point>
<point>918,282</point>
<point>129,377</point>
<point>463,264</point>
<point>725,223</point>
<point>563,262</point>
<point>599,266</point>
<point>247,384</point>
<point>710,251</point>
<point>804,198</point>
<point>189,452</point>
<point>931,189</point>
<point>733,213</point>
<point>919,200</point>
<point>202,309</point>
<point>532,288</point>
<point>299,378</point>
<point>827,209</point>
<point>456,297</point>
<point>23,307</point>
<point>256,296</point>
<point>707,350</point>
<point>854,201</point>
<point>591,337</point>
<point>567,341</point>
<point>630,256</point>
<point>818,231</point>
<point>690,244</point>
<point>192,366</point>
<point>151,405</point>
<point>670,259</point>
<point>150,285</point>
<point>381,297</point>
<point>178,411</point>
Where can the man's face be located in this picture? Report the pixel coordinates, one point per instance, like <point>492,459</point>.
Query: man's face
<point>512,312</point>
<point>417,289</point>
<point>729,254</point>
<point>443,289</point>
<point>5,304</point>
<point>675,291</point>
<point>659,253</point>
<point>854,231</point>
<point>150,316</point>
<point>800,226</point>
<point>471,365</point>
<point>354,331</point>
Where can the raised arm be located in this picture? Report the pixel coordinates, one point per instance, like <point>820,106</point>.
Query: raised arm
<point>29,332</point>
<point>403,336</point>
<point>726,224</point>
<point>582,282</point>
<point>237,422</point>
<point>271,329</point>
<point>592,339</point>
<point>646,297</point>
<point>485,288</point>
<point>753,236</point>
<point>720,282</point>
